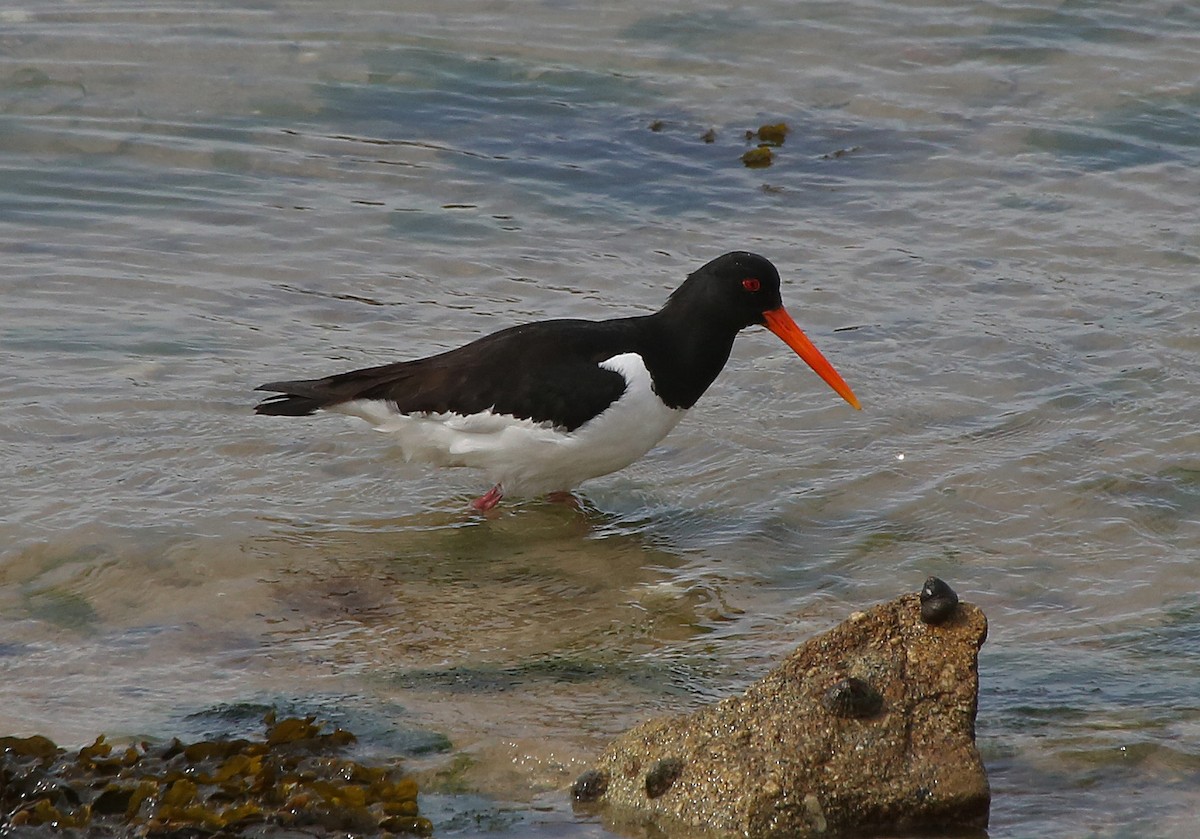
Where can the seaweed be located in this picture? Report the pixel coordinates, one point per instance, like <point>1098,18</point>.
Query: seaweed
<point>758,157</point>
<point>294,778</point>
<point>770,135</point>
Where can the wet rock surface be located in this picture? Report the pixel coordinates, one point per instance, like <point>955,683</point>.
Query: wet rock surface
<point>869,726</point>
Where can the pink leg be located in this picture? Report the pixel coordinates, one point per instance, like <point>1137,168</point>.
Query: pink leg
<point>489,499</point>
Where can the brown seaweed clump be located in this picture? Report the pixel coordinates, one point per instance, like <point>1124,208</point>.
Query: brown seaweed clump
<point>294,779</point>
<point>770,135</point>
<point>759,157</point>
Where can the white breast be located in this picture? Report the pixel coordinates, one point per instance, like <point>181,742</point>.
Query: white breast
<point>530,458</point>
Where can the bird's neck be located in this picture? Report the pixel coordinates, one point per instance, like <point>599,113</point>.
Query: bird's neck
<point>682,358</point>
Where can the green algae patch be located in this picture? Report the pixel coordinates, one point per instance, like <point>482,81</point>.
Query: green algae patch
<point>770,135</point>
<point>295,778</point>
<point>767,138</point>
<point>757,158</point>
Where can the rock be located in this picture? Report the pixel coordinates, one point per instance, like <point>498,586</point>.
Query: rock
<point>870,726</point>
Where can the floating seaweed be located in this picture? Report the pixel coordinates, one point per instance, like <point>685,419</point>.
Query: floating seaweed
<point>758,157</point>
<point>770,135</point>
<point>294,778</point>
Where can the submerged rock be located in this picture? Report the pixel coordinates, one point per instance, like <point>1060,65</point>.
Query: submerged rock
<point>870,726</point>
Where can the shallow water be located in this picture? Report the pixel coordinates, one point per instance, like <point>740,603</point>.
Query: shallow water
<point>985,215</point>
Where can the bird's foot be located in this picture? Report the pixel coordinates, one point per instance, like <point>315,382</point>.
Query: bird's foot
<point>489,499</point>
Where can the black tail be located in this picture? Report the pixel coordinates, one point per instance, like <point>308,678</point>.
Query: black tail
<point>295,399</point>
<point>306,396</point>
<point>286,405</point>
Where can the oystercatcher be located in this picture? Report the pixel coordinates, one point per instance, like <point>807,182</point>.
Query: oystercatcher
<point>544,406</point>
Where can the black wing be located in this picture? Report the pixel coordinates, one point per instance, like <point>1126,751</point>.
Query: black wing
<point>545,372</point>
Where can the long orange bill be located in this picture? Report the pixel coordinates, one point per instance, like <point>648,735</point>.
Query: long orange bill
<point>781,323</point>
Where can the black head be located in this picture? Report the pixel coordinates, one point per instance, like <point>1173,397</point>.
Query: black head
<point>732,292</point>
<point>734,289</point>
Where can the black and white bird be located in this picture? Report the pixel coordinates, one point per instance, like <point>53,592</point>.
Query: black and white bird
<point>545,406</point>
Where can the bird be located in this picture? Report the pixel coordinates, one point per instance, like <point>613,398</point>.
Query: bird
<point>544,406</point>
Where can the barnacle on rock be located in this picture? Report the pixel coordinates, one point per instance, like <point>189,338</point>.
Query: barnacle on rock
<point>590,786</point>
<point>852,698</point>
<point>662,775</point>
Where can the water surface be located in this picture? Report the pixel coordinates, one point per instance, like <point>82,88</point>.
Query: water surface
<point>985,216</point>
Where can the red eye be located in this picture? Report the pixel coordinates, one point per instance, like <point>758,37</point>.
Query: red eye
<point>751,284</point>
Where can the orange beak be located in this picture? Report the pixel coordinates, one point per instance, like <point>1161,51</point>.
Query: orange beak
<point>781,323</point>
